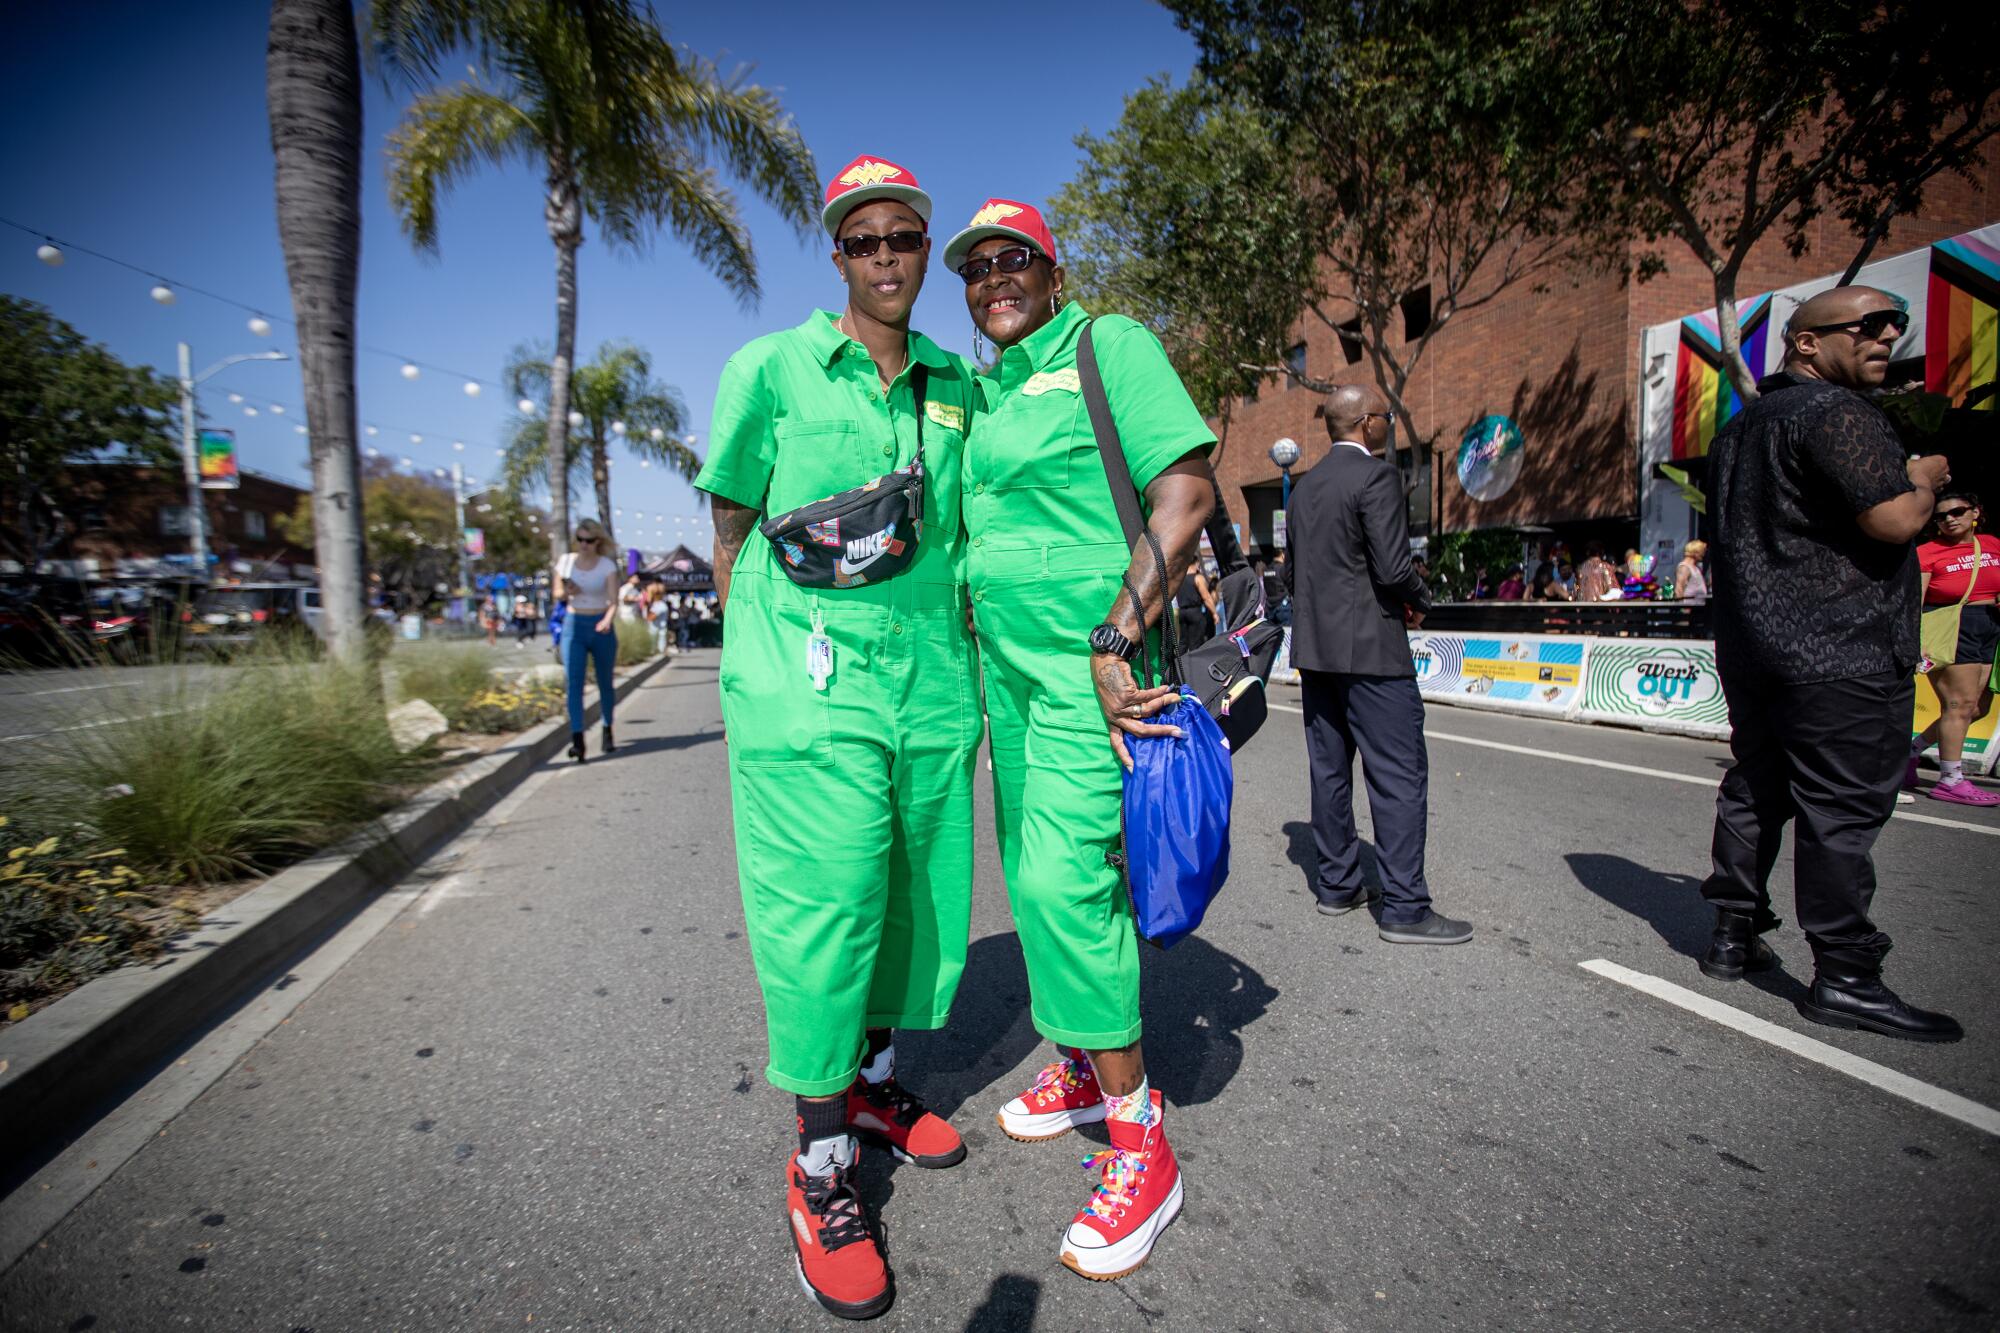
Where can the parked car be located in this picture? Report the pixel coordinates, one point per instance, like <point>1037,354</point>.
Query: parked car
<point>234,616</point>
<point>127,622</point>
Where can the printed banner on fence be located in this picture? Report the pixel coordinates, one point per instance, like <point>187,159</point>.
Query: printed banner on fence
<point>1529,673</point>
<point>1664,681</point>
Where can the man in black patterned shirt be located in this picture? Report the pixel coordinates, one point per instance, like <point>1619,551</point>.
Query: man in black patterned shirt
<point>1815,609</point>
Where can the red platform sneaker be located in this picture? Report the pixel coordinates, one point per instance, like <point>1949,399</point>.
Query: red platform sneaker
<point>1138,1195</point>
<point>839,1262</point>
<point>1065,1094</point>
<point>888,1115</point>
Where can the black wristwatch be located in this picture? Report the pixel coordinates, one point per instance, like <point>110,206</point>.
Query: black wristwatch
<point>1107,639</point>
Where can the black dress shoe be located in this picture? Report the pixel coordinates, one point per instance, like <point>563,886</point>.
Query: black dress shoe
<point>608,747</point>
<point>1844,997</point>
<point>1342,906</point>
<point>1736,947</point>
<point>576,746</point>
<point>1433,929</point>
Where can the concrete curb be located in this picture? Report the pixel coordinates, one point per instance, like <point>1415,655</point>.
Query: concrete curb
<point>60,1063</point>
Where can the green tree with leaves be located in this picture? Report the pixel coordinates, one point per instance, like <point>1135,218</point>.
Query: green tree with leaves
<point>625,127</point>
<point>65,400</point>
<point>1720,126</point>
<point>613,398</point>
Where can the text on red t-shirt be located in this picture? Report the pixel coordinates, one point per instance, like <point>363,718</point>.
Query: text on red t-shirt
<point>1950,565</point>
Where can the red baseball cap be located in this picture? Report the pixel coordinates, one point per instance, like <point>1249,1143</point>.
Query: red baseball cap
<point>1002,217</point>
<point>868,178</point>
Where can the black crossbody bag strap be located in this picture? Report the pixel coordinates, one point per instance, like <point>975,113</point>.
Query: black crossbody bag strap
<point>1125,497</point>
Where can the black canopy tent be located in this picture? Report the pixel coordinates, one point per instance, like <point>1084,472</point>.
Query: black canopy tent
<point>680,570</point>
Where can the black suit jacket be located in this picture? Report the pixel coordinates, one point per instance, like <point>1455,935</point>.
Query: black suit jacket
<point>1347,562</point>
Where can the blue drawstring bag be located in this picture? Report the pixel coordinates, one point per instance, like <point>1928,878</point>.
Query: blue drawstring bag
<point>1176,822</point>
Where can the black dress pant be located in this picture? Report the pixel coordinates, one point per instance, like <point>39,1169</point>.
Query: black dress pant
<point>1381,717</point>
<point>1828,756</point>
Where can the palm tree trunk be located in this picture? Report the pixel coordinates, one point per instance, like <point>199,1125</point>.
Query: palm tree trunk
<point>313,82</point>
<point>566,230</point>
<point>600,476</point>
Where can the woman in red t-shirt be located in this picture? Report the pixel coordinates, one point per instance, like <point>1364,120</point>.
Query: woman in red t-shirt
<point>1964,689</point>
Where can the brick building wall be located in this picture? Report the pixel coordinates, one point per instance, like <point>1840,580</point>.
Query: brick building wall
<point>1563,362</point>
<point>130,512</point>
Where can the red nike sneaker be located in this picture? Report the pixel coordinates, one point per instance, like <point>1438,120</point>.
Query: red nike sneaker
<point>1138,1194</point>
<point>887,1114</point>
<point>839,1262</point>
<point>1065,1094</point>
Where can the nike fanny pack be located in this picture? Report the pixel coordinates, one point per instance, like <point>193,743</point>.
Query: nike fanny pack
<point>866,535</point>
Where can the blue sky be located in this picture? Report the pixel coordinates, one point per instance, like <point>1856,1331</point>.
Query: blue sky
<point>139,129</point>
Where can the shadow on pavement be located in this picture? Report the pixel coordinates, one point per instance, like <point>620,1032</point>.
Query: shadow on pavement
<point>1302,852</point>
<point>1671,904</point>
<point>1195,1001</point>
<point>1010,1304</point>
<point>644,744</point>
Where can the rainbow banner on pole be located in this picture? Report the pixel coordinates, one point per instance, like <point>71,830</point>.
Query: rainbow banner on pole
<point>1704,397</point>
<point>1962,317</point>
<point>217,456</point>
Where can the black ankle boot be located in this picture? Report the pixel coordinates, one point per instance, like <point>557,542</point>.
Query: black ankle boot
<point>1736,947</point>
<point>1845,996</point>
<point>576,746</point>
<point>608,746</point>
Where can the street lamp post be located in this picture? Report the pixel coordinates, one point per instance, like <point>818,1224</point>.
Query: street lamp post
<point>190,462</point>
<point>1285,453</point>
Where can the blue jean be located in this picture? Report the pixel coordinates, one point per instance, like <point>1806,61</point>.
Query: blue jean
<point>583,642</point>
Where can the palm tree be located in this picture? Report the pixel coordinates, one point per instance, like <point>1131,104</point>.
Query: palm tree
<point>622,125</point>
<point>313,81</point>
<point>611,397</point>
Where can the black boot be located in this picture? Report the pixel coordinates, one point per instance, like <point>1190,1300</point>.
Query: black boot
<point>1846,996</point>
<point>1736,948</point>
<point>576,746</point>
<point>608,746</point>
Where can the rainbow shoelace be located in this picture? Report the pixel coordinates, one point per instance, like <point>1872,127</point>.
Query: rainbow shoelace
<point>1056,1079</point>
<point>1123,1174</point>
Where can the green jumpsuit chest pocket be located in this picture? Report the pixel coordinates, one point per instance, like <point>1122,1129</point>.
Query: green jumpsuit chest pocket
<point>816,459</point>
<point>1031,449</point>
<point>774,716</point>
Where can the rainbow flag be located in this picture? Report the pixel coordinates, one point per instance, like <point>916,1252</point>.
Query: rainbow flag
<point>1704,397</point>
<point>1962,318</point>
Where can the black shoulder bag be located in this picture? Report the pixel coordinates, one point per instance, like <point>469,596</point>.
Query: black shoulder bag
<point>1229,672</point>
<point>865,535</point>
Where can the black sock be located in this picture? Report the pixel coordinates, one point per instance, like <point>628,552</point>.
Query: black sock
<point>821,1120</point>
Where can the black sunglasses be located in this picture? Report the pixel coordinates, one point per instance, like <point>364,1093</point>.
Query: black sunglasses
<point>1870,325</point>
<point>1954,513</point>
<point>1011,260</point>
<point>862,246</point>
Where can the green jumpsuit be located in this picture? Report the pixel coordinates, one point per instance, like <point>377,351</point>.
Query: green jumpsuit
<point>853,804</point>
<point>1044,559</point>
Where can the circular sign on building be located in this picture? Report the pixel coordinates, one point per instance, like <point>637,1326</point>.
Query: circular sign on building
<point>1490,457</point>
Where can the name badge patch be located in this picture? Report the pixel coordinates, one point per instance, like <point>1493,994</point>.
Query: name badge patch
<point>1052,381</point>
<point>949,415</point>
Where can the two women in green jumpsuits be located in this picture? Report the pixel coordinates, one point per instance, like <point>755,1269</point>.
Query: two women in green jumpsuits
<point>1047,565</point>
<point>852,781</point>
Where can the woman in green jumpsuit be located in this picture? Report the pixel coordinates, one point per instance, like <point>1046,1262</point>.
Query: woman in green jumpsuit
<point>1053,592</point>
<point>851,719</point>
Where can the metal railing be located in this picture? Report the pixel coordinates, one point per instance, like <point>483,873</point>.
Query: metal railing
<point>1608,620</point>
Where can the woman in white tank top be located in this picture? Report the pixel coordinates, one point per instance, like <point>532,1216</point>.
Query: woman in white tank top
<point>587,577</point>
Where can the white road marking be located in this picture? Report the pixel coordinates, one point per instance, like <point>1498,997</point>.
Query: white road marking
<point>1710,783</point>
<point>86,726</point>
<point>450,885</point>
<point>79,689</point>
<point>1879,1076</point>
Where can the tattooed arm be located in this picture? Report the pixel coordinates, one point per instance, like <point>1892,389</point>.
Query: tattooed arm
<point>733,525</point>
<point>1181,499</point>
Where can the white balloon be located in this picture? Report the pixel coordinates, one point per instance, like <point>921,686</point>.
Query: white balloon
<point>260,326</point>
<point>617,428</point>
<point>300,429</point>
<point>163,294</point>
<point>278,409</point>
<point>472,388</point>
<point>657,433</point>
<point>249,411</point>
<point>527,405</point>
<point>49,255</point>
<point>371,430</point>
<point>410,370</point>
<point>416,439</point>
<point>459,445</point>
<point>576,418</point>
<point>235,397</point>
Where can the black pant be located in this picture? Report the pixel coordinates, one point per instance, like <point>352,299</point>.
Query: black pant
<point>1383,718</point>
<point>1829,756</point>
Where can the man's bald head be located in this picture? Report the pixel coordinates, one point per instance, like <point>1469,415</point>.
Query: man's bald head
<point>1828,338</point>
<point>1350,401</point>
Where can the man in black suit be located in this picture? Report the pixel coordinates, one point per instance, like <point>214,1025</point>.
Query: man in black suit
<point>1353,589</point>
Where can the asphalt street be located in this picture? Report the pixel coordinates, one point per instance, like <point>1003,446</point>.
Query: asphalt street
<point>534,1098</point>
